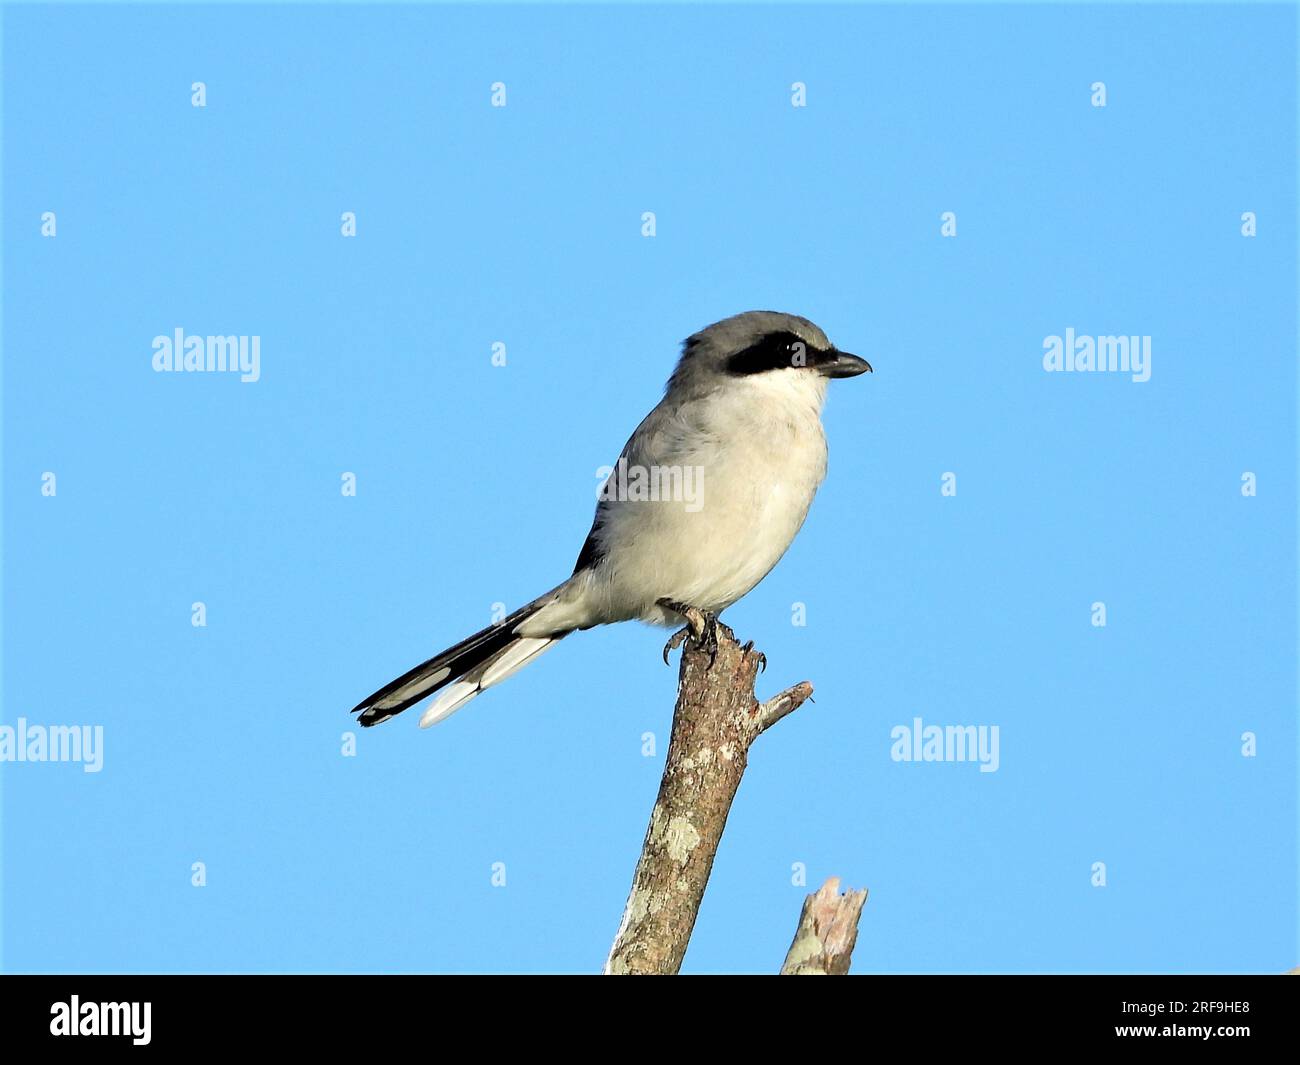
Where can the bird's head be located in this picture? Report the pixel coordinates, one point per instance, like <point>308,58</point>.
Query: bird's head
<point>765,346</point>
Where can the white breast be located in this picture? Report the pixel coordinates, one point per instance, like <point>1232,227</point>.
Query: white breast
<point>762,455</point>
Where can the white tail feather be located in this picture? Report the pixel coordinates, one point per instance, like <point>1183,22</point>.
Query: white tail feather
<point>503,664</point>
<point>513,659</point>
<point>449,700</point>
<point>406,691</point>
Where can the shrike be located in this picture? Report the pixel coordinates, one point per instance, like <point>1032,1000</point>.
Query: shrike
<point>743,410</point>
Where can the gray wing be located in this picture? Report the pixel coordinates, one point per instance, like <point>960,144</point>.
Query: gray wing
<point>667,436</point>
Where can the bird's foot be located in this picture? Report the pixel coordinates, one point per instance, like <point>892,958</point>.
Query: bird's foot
<point>701,626</point>
<point>695,625</point>
<point>675,641</point>
<point>708,639</point>
<point>748,650</point>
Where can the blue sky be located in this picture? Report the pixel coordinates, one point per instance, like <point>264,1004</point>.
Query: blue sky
<point>475,483</point>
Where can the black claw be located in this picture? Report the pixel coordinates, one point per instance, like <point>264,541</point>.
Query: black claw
<point>706,639</point>
<point>709,637</point>
<point>748,649</point>
<point>674,642</point>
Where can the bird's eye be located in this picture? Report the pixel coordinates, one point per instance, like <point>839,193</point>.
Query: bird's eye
<point>776,352</point>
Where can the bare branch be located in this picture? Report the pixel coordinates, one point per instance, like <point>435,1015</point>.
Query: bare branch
<point>828,929</point>
<point>779,705</point>
<point>716,720</point>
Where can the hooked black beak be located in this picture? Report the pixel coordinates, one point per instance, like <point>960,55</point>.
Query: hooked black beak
<point>842,364</point>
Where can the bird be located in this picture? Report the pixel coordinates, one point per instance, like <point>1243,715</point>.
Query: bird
<point>740,425</point>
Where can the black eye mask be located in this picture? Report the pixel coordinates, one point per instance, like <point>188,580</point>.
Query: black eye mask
<point>777,351</point>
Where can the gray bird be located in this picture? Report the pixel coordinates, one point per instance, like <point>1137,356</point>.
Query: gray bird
<point>707,495</point>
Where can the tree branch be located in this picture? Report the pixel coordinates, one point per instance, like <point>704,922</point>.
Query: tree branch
<point>716,720</point>
<point>828,929</point>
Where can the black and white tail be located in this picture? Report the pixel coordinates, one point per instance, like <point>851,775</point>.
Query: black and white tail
<point>476,663</point>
